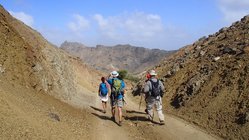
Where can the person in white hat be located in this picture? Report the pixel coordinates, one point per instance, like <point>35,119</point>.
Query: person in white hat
<point>153,90</point>
<point>117,88</point>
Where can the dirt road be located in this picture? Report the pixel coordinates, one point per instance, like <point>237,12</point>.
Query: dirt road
<point>25,114</point>
<point>135,126</point>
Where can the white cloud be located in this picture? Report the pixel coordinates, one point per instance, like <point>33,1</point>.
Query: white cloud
<point>137,25</point>
<point>27,19</point>
<point>136,28</point>
<point>80,23</point>
<point>234,10</point>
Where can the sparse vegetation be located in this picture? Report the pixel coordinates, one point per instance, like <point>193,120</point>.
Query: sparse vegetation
<point>123,74</point>
<point>132,78</point>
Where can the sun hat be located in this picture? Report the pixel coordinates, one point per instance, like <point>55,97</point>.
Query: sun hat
<point>115,74</point>
<point>153,72</point>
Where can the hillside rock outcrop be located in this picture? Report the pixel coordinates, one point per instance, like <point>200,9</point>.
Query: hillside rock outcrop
<point>26,58</point>
<point>207,82</point>
<point>108,58</point>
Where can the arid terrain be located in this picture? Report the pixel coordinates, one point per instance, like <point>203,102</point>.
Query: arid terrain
<point>122,57</point>
<point>207,82</point>
<point>46,93</point>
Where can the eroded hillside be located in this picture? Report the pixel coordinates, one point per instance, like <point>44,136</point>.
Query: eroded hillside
<point>207,82</point>
<point>28,59</point>
<point>106,58</point>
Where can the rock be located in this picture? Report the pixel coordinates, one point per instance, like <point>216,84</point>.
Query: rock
<point>2,69</point>
<point>246,49</point>
<point>54,116</point>
<point>202,53</point>
<point>216,58</point>
<point>228,50</point>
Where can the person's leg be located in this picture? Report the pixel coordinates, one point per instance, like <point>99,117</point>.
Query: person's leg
<point>112,101</point>
<point>159,111</point>
<point>120,113</point>
<point>120,105</point>
<point>149,107</point>
<point>103,106</point>
<point>113,111</point>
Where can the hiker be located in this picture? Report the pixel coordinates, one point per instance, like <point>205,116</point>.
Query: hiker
<point>117,87</point>
<point>147,79</point>
<point>104,89</point>
<point>153,90</point>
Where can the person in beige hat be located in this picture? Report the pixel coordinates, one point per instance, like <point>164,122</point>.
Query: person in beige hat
<point>116,97</point>
<point>153,90</point>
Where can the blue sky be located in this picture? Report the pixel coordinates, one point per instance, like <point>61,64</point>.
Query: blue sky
<point>163,24</point>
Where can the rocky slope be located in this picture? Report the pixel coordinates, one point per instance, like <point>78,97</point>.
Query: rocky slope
<point>28,59</point>
<point>106,58</point>
<point>207,82</point>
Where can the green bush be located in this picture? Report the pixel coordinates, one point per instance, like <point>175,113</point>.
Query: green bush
<point>132,78</point>
<point>122,74</point>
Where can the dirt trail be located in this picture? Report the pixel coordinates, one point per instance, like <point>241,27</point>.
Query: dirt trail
<point>135,126</point>
<point>28,115</point>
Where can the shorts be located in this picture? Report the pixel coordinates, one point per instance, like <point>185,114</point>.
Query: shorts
<point>117,102</point>
<point>104,98</point>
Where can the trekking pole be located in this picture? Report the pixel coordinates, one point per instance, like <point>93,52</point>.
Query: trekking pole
<point>139,107</point>
<point>140,102</point>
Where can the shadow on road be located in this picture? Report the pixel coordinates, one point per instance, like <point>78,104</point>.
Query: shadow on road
<point>105,118</point>
<point>102,117</point>
<point>97,109</point>
<point>140,118</point>
<point>136,118</point>
<point>133,111</point>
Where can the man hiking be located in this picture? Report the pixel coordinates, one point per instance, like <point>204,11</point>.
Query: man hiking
<point>104,89</point>
<point>117,88</point>
<point>153,90</point>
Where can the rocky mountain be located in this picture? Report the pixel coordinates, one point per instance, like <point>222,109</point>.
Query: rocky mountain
<point>27,59</point>
<point>106,58</point>
<point>207,82</point>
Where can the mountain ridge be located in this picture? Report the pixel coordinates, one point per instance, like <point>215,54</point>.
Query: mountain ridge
<point>118,57</point>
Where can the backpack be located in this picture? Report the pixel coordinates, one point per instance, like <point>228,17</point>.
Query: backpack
<point>103,89</point>
<point>116,87</point>
<point>155,88</point>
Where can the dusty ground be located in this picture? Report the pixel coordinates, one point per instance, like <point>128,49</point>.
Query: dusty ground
<point>29,115</point>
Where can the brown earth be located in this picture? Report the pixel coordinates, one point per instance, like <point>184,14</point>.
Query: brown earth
<point>47,94</point>
<point>119,57</point>
<point>207,82</point>
<point>29,115</point>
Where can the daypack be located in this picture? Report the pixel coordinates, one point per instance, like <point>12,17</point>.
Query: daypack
<point>103,89</point>
<point>155,88</point>
<point>116,87</point>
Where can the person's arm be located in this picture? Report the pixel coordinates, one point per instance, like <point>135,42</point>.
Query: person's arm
<point>147,87</point>
<point>108,87</point>
<point>99,91</point>
<point>162,88</point>
<point>161,85</point>
<point>123,86</point>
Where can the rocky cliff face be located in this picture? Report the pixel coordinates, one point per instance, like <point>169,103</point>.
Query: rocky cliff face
<point>26,58</point>
<point>207,82</point>
<point>108,58</point>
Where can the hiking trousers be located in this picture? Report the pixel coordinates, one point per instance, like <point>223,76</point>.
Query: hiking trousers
<point>157,102</point>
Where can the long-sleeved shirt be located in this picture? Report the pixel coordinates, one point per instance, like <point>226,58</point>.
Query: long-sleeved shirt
<point>148,86</point>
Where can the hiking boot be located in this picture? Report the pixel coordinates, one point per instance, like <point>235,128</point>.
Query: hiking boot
<point>113,119</point>
<point>120,123</point>
<point>146,111</point>
<point>162,122</point>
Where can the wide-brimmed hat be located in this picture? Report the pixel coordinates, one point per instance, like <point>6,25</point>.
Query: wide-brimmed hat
<point>115,73</point>
<point>153,72</point>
